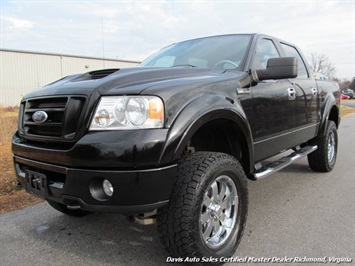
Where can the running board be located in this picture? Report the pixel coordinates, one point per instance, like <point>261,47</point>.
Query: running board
<point>275,166</point>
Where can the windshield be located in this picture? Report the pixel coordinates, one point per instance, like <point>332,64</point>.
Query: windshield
<point>219,52</point>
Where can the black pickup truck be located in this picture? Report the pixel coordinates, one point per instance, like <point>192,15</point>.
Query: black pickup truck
<point>176,138</point>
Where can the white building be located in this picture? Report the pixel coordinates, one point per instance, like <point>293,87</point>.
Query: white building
<point>22,72</point>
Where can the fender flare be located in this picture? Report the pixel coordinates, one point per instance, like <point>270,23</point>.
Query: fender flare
<point>329,102</point>
<point>195,115</point>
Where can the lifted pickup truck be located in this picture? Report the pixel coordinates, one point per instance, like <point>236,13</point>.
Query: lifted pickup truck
<point>179,135</point>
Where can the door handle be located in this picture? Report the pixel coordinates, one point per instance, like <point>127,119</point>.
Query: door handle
<point>314,91</point>
<point>291,94</point>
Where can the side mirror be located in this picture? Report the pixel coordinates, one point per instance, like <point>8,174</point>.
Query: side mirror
<point>277,68</point>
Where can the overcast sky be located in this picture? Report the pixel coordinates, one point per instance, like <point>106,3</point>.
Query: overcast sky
<point>133,30</point>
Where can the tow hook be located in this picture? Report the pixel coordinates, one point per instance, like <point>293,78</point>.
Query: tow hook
<point>146,218</point>
<point>73,207</point>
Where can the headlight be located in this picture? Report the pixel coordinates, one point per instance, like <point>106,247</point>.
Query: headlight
<point>128,112</point>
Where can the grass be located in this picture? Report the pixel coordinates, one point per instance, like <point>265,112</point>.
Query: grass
<point>345,110</point>
<point>12,199</point>
<point>8,123</point>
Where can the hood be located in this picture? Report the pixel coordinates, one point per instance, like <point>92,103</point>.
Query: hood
<point>123,81</point>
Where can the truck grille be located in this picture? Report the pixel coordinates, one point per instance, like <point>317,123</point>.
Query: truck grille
<point>55,119</point>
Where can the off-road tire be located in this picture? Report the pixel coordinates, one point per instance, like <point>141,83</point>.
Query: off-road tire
<point>180,222</point>
<point>323,159</point>
<point>64,209</point>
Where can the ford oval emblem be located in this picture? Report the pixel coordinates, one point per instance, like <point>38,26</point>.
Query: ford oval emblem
<point>39,117</point>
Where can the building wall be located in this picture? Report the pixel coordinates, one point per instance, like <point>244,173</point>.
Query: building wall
<point>22,72</point>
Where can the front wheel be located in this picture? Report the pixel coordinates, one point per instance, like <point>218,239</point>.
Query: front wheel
<point>207,211</point>
<point>323,159</point>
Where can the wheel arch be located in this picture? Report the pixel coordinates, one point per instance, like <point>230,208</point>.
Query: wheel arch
<point>334,115</point>
<point>330,111</point>
<point>223,120</point>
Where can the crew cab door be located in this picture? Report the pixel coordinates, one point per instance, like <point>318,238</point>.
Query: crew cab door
<point>274,103</point>
<point>306,109</point>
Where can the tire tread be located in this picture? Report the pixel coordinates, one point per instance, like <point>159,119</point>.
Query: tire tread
<point>318,160</point>
<point>174,220</point>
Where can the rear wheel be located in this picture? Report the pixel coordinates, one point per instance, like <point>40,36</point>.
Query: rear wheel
<point>323,159</point>
<point>64,209</point>
<point>207,211</point>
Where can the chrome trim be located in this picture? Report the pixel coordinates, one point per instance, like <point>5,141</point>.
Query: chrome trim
<point>39,117</point>
<point>314,91</point>
<point>219,211</point>
<point>291,94</point>
<point>282,162</point>
<point>243,91</point>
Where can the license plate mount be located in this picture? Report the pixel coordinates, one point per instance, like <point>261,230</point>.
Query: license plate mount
<point>36,184</point>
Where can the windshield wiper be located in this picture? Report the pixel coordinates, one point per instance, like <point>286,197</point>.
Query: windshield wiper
<point>188,65</point>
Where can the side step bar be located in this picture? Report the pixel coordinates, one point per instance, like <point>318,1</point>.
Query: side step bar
<point>275,166</point>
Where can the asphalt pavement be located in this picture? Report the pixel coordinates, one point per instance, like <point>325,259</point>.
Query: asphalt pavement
<point>295,213</point>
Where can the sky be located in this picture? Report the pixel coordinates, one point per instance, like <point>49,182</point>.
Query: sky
<point>133,30</point>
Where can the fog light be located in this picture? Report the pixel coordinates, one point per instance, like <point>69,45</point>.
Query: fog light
<point>107,187</point>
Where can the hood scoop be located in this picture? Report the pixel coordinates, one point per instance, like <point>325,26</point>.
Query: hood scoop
<point>93,75</point>
<point>99,74</point>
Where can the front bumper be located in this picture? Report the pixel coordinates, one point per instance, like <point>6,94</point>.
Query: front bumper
<point>118,149</point>
<point>135,191</point>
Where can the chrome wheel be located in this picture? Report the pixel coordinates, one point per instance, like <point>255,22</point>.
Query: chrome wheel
<point>219,212</point>
<point>208,208</point>
<point>323,159</point>
<point>331,147</point>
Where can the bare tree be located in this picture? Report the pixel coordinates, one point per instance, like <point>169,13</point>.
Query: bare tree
<point>320,64</point>
<point>343,84</point>
<point>352,84</point>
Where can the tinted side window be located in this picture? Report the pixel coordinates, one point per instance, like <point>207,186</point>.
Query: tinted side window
<point>264,51</point>
<point>292,52</point>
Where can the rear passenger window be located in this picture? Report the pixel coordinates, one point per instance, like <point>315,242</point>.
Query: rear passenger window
<point>292,52</point>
